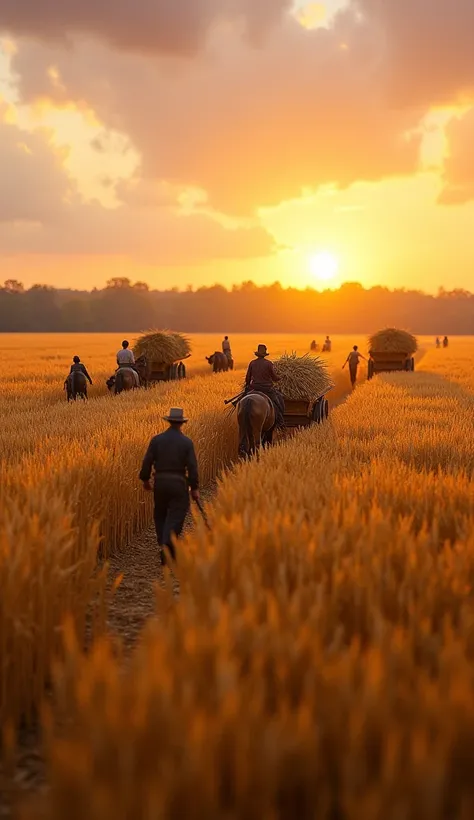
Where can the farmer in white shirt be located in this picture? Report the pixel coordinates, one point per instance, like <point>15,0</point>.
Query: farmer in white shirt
<point>125,358</point>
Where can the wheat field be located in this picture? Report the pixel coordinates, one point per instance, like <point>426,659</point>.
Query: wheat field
<point>72,471</point>
<point>319,661</point>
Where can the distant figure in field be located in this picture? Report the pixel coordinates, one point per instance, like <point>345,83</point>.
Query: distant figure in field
<point>314,346</point>
<point>228,352</point>
<point>353,360</point>
<point>327,345</point>
<point>126,358</point>
<point>445,341</point>
<point>438,343</point>
<point>78,367</point>
<point>76,383</point>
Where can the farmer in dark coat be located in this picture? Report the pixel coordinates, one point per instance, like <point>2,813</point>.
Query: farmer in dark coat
<point>172,456</point>
<point>261,378</point>
<point>78,367</point>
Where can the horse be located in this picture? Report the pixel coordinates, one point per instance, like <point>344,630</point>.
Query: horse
<point>123,379</point>
<point>76,385</point>
<point>256,418</point>
<point>220,363</point>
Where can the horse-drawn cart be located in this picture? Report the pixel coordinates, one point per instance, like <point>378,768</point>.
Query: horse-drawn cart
<point>165,372</point>
<point>303,412</point>
<point>389,362</point>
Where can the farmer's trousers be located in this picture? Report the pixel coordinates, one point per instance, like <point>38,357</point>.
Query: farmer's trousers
<point>171,507</point>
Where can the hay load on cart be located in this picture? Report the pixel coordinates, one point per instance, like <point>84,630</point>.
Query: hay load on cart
<point>165,352</point>
<point>391,349</point>
<point>304,382</point>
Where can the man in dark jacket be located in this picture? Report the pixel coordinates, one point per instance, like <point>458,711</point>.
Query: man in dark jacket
<point>78,367</point>
<point>261,377</point>
<point>173,458</point>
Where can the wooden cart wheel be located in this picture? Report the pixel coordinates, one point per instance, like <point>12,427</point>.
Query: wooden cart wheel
<point>173,373</point>
<point>181,371</point>
<point>317,415</point>
<point>412,364</point>
<point>370,369</point>
<point>326,409</point>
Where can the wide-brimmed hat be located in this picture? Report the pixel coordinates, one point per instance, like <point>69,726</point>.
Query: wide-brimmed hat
<point>262,351</point>
<point>176,416</point>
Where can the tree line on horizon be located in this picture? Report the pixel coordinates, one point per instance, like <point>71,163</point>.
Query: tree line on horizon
<point>249,308</point>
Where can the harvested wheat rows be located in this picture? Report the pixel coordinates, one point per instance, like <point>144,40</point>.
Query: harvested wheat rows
<point>319,662</point>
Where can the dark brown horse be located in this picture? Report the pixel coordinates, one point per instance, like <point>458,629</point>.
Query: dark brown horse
<point>220,363</point>
<point>124,379</point>
<point>256,417</point>
<point>76,386</point>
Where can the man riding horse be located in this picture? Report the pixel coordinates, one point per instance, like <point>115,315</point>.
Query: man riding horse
<point>75,383</point>
<point>261,378</point>
<point>126,360</point>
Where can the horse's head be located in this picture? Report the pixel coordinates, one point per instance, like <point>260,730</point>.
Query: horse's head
<point>110,383</point>
<point>210,359</point>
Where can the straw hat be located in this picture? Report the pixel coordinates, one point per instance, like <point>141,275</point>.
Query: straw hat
<point>176,416</point>
<point>262,351</point>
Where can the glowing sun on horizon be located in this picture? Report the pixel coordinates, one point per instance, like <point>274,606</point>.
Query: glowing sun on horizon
<point>323,266</point>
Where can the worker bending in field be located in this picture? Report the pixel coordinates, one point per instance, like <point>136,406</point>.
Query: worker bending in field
<point>78,367</point>
<point>173,458</point>
<point>126,358</point>
<point>353,360</point>
<point>261,378</point>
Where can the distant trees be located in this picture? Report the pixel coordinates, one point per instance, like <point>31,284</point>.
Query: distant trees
<point>125,306</point>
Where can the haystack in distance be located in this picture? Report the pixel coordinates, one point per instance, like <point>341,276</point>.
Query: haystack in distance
<point>302,377</point>
<point>392,340</point>
<point>162,346</point>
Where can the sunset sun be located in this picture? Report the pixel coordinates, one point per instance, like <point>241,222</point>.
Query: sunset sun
<point>323,266</point>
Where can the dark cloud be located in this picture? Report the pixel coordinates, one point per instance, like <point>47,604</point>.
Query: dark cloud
<point>160,26</point>
<point>428,53</point>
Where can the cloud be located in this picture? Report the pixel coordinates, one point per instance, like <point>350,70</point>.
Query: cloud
<point>33,185</point>
<point>458,174</point>
<point>252,127</point>
<point>159,26</point>
<point>41,212</point>
<point>428,54</point>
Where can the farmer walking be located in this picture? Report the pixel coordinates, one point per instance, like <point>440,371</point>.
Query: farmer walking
<point>353,360</point>
<point>173,458</point>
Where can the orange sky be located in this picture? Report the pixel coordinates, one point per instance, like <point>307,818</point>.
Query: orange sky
<point>245,141</point>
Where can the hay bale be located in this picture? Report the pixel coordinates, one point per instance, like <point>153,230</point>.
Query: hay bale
<point>392,340</point>
<point>302,377</point>
<point>162,346</point>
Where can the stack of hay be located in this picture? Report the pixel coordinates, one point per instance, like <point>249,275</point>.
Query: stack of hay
<point>302,377</point>
<point>162,346</point>
<point>392,340</point>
